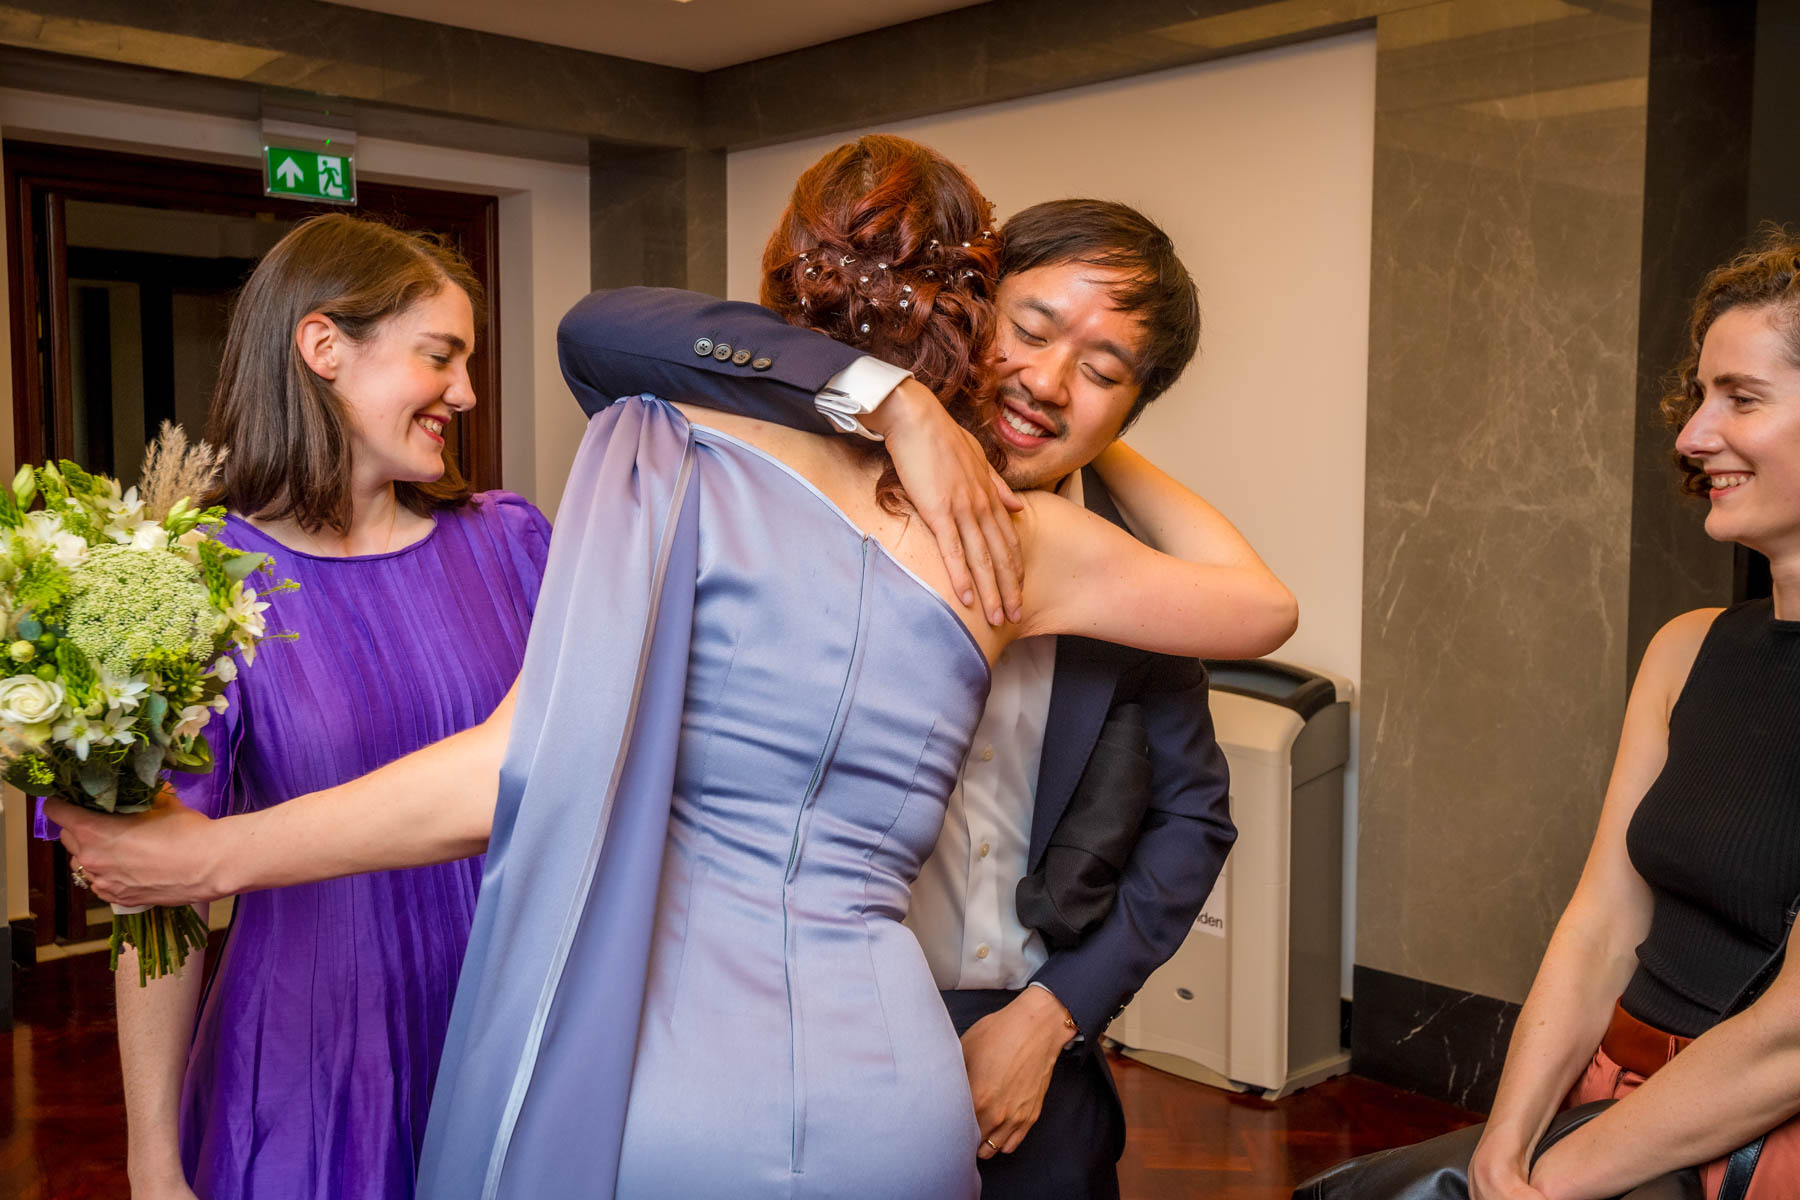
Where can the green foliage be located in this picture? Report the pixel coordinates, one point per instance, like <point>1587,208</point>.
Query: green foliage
<point>80,483</point>
<point>42,587</point>
<point>78,677</point>
<point>32,774</point>
<point>174,674</point>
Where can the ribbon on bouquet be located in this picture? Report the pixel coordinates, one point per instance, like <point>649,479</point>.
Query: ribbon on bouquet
<point>538,1058</point>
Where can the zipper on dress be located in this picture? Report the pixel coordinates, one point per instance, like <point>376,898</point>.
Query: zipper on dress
<point>797,1144</point>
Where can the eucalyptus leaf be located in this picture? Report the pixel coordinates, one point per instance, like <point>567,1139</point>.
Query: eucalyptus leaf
<point>155,709</point>
<point>95,778</point>
<point>147,762</point>
<point>241,566</point>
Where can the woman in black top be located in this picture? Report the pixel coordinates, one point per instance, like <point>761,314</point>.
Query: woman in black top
<point>1697,855</point>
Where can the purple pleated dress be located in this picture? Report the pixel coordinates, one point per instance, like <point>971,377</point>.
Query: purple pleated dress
<point>319,1038</point>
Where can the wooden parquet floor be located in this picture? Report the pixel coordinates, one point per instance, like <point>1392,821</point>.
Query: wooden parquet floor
<point>62,1119</point>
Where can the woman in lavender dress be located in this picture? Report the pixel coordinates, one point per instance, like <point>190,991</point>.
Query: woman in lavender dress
<point>311,1067</point>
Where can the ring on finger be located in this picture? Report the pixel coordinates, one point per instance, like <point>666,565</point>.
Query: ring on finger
<point>79,874</point>
<point>989,1143</point>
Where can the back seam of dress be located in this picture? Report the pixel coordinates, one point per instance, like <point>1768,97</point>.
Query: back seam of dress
<point>797,1138</point>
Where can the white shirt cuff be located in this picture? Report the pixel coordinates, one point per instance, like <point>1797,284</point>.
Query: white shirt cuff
<point>857,390</point>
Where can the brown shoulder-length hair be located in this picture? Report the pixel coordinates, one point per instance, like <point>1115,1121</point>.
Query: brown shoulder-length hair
<point>1765,276</point>
<point>285,427</point>
<point>887,246</point>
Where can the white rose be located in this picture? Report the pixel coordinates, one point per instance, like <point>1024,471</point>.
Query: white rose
<point>149,536</point>
<point>71,550</point>
<point>27,700</point>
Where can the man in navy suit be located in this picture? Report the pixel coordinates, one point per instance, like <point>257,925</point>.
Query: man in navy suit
<point>1097,317</point>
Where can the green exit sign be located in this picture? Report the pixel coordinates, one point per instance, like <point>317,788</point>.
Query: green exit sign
<point>309,174</point>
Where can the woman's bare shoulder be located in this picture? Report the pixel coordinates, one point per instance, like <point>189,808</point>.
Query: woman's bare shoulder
<point>1671,653</point>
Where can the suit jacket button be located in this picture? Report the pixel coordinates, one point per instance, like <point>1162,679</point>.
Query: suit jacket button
<point>722,351</point>
<point>762,364</point>
<point>703,347</point>
<point>740,358</point>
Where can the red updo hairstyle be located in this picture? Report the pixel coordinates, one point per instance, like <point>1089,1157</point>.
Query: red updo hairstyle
<point>887,246</point>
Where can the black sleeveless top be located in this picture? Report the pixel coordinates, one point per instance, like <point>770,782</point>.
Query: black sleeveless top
<point>1717,836</point>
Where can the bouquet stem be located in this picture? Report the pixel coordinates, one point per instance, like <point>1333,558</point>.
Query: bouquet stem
<point>162,937</point>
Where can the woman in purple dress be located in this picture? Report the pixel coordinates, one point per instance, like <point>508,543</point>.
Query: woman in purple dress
<point>310,1070</point>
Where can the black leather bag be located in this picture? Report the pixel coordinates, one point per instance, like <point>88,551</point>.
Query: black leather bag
<point>1438,1169</point>
<point>1076,883</point>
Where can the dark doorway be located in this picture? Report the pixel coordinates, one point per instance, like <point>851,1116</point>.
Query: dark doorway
<point>123,269</point>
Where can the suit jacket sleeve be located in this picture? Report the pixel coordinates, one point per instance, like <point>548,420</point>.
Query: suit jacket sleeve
<point>635,340</point>
<point>1185,837</point>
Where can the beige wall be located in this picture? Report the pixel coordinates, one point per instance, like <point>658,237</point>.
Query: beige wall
<point>1260,168</point>
<point>543,270</point>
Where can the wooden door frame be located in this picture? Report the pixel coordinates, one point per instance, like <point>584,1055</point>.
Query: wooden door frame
<point>41,177</point>
<point>37,173</point>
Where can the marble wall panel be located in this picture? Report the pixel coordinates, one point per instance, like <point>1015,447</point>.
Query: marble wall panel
<point>1508,200</point>
<point>658,218</point>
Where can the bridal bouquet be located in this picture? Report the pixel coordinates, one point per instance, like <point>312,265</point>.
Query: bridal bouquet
<point>124,620</point>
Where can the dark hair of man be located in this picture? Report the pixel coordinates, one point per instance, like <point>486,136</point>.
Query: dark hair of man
<point>1159,293</point>
<point>1766,276</point>
<point>286,428</point>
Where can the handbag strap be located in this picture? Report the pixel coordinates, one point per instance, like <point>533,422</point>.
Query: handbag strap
<point>1741,1166</point>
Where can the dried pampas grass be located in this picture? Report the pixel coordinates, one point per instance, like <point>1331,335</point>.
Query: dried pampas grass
<point>174,469</point>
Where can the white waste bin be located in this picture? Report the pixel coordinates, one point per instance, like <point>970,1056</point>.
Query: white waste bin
<point>1250,1002</point>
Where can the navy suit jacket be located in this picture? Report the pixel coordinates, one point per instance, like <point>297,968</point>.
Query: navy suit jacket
<point>689,347</point>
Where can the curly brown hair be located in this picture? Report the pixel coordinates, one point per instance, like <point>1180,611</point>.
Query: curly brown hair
<point>887,246</point>
<point>1765,276</point>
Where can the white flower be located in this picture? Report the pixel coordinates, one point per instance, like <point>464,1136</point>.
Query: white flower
<point>27,700</point>
<point>115,728</point>
<point>69,549</point>
<point>123,512</point>
<point>245,611</point>
<point>193,719</point>
<point>150,535</point>
<point>40,528</point>
<point>124,693</point>
<point>225,670</point>
<point>76,733</point>
<point>189,544</point>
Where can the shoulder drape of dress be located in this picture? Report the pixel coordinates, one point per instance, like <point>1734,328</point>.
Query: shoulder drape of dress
<point>539,1053</point>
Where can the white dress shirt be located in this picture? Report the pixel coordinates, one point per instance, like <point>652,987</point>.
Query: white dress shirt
<point>856,391</point>
<point>964,910</point>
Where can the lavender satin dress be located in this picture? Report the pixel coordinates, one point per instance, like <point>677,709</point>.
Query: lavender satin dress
<point>311,1070</point>
<point>790,1041</point>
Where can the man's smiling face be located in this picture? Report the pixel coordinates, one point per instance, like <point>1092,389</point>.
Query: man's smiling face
<point>1068,368</point>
